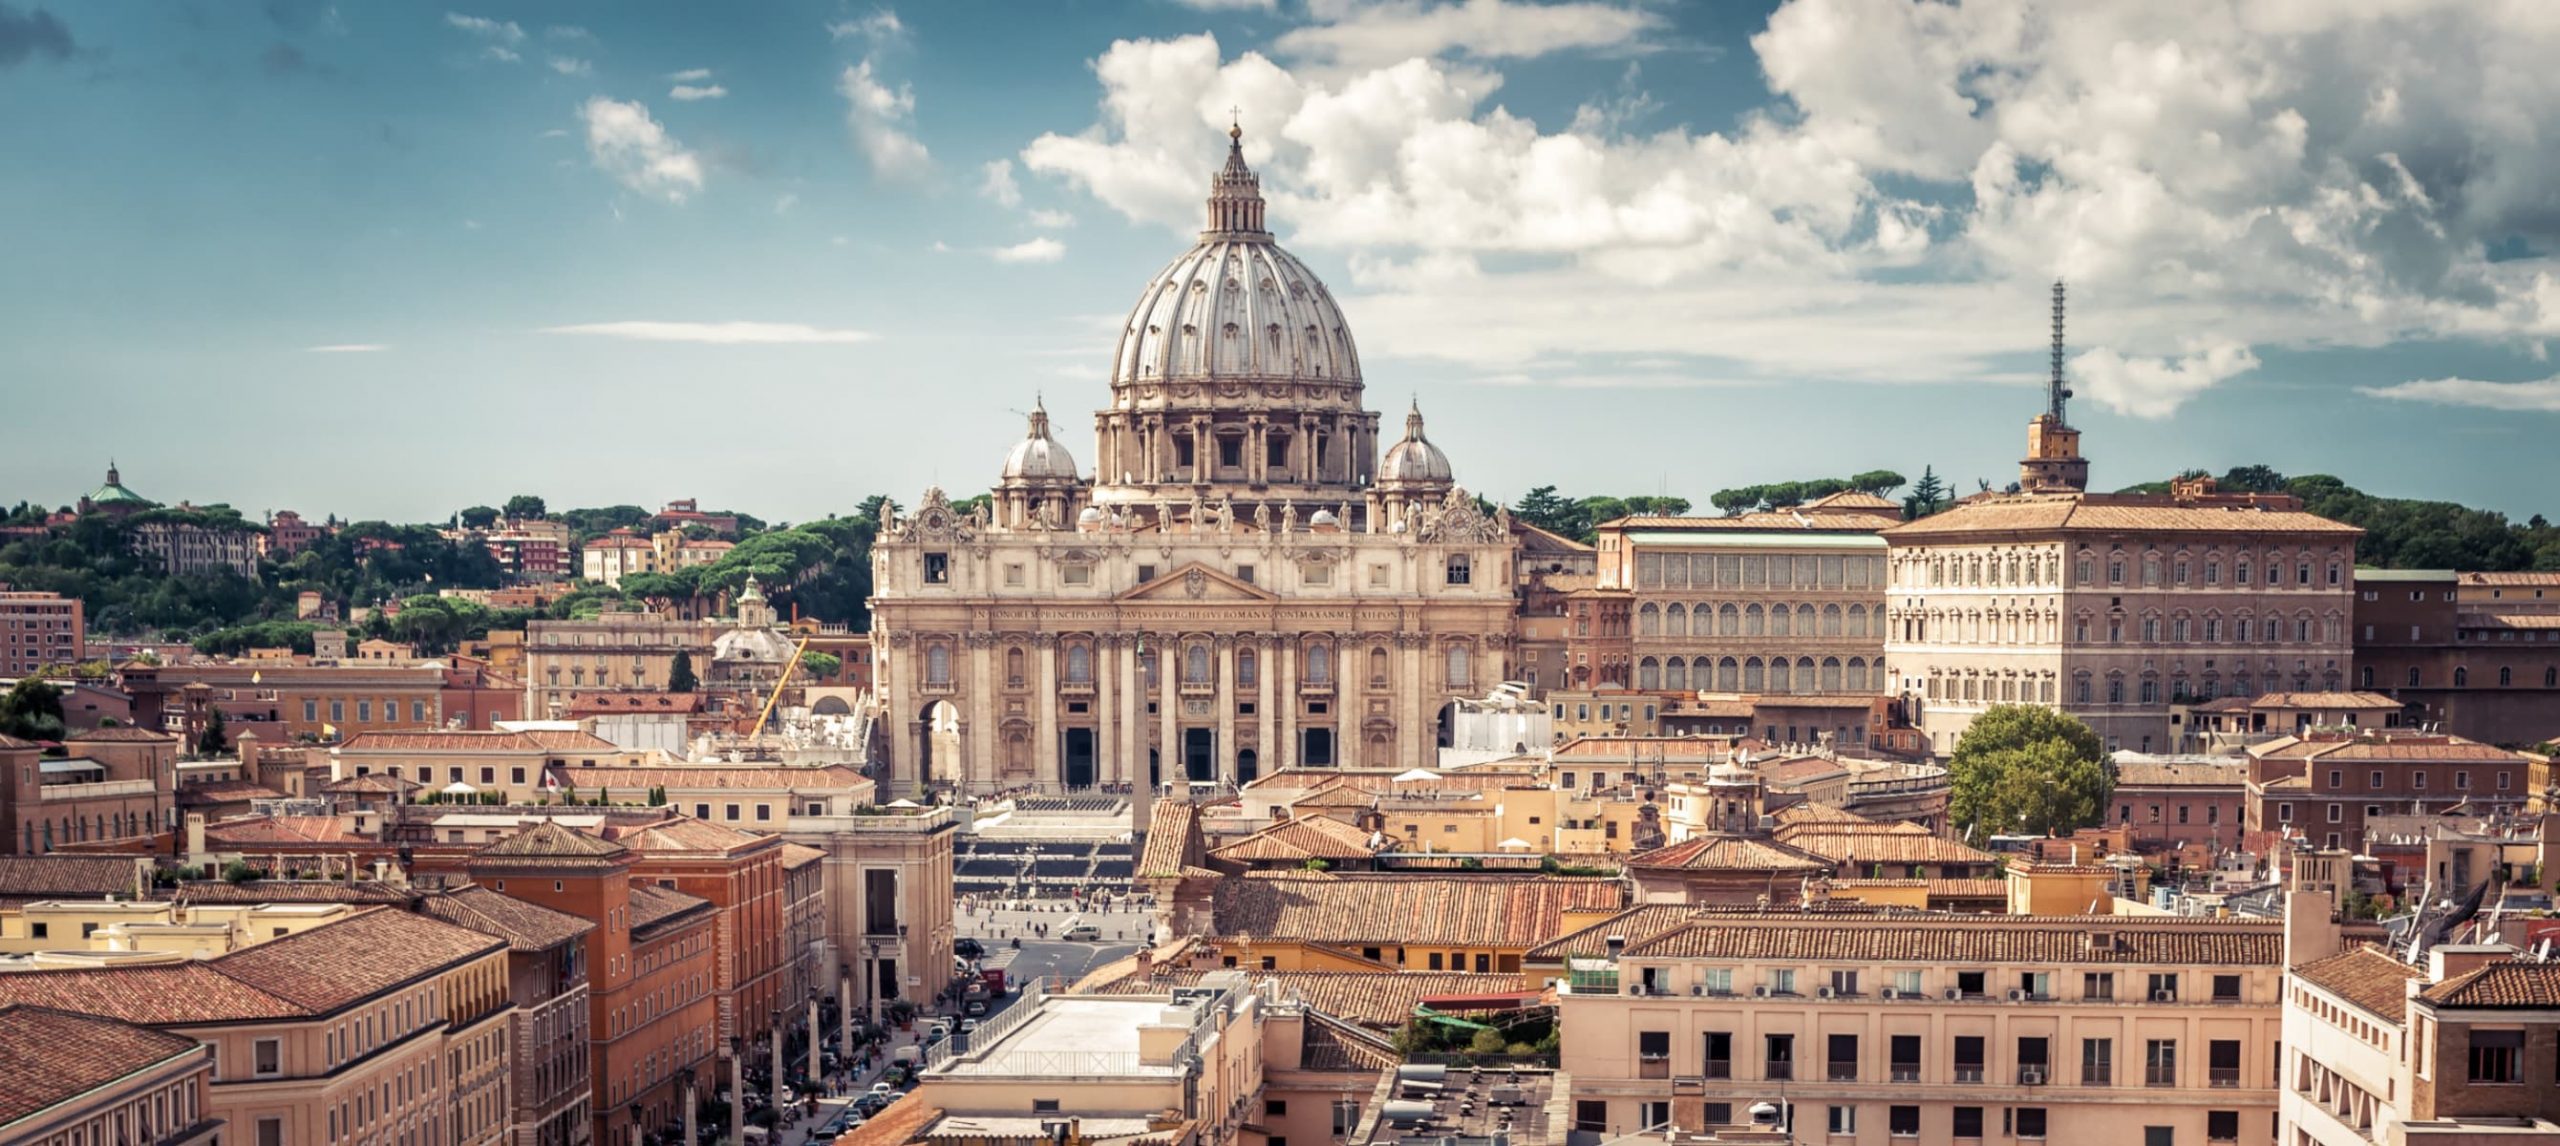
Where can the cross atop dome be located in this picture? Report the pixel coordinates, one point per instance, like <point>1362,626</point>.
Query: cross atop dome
<point>1235,193</point>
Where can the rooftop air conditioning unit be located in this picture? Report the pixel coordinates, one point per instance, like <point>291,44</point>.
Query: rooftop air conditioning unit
<point>1823,992</point>
<point>2017,995</point>
<point>1954,993</point>
<point>1889,993</point>
<point>2164,996</point>
<point>1760,992</point>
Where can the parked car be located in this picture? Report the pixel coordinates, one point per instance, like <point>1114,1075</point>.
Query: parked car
<point>975,1008</point>
<point>968,948</point>
<point>1081,933</point>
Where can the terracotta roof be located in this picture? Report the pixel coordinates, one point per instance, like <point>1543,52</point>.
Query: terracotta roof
<point>2513,984</point>
<point>800,855</point>
<point>293,891</point>
<point>1333,1045</point>
<point>1635,925</point>
<point>1828,815</point>
<point>2364,700</point>
<point>66,876</point>
<point>2509,621</point>
<point>1916,937</point>
<point>2366,977</point>
<point>525,926</point>
<point>1727,853</point>
<point>2360,748</point>
<point>743,777</point>
<point>895,1125</point>
<point>1173,841</point>
<point>1617,747</point>
<point>1372,910</point>
<point>121,733</point>
<point>14,744</point>
<point>1294,841</point>
<point>686,834</point>
<point>592,703</point>
<point>2114,513</point>
<point>1886,847</point>
<point>1967,889</point>
<point>548,840</point>
<point>1380,999</point>
<point>445,741</point>
<point>2185,774</point>
<point>175,994</point>
<point>225,792</point>
<point>371,783</point>
<point>568,740</point>
<point>2517,578</point>
<point>50,1056</point>
<point>283,830</point>
<point>330,967</point>
<point>652,905</point>
<point>1830,522</point>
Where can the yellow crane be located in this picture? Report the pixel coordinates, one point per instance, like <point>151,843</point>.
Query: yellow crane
<point>778,685</point>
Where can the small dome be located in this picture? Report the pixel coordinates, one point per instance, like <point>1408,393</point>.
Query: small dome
<point>1039,457</point>
<point>1414,460</point>
<point>1324,517</point>
<point>1090,516</point>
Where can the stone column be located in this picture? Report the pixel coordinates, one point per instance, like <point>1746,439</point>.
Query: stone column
<point>1350,675</point>
<point>979,748</point>
<point>1046,702</point>
<point>1225,752</point>
<point>1106,716</point>
<point>1133,734</point>
<point>1288,703</point>
<point>1266,666</point>
<point>1411,689</point>
<point>1169,699</point>
<point>816,1044</point>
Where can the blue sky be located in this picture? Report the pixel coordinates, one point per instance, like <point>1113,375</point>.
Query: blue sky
<point>387,260</point>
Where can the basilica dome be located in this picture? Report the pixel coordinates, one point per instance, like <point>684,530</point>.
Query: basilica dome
<point>1414,460</point>
<point>1235,307</point>
<point>1038,456</point>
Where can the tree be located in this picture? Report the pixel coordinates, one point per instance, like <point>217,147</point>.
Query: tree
<point>1880,483</point>
<point>32,710</point>
<point>213,742</point>
<point>821,665</point>
<point>1928,495</point>
<point>1544,508</point>
<point>479,516</point>
<point>524,505</point>
<point>2026,770</point>
<point>680,674</point>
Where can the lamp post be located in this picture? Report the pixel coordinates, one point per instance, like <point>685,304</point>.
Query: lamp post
<point>692,1131</point>
<point>737,1091</point>
<point>844,1011</point>
<point>871,984</point>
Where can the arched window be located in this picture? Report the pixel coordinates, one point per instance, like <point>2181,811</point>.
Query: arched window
<point>1754,623</point>
<point>2044,690</point>
<point>1675,675</point>
<point>1675,621</point>
<point>2150,691</point>
<point>1729,621</point>
<point>1780,621</point>
<point>1830,674</point>
<point>1831,620</point>
<point>1247,669</point>
<point>2080,689</point>
<point>937,664</point>
<point>1781,676</point>
<point>1013,666</point>
<point>1195,665</point>
<point>1702,621</point>
<point>2551,678</point>
<point>1754,675</point>
<point>1648,674</point>
<point>1459,669</point>
<point>1804,620</point>
<point>1857,620</point>
<point>1319,665</point>
<point>1857,678</point>
<point>1649,621</point>
<point>2115,690</point>
<point>2506,676</point>
<point>1729,673</point>
<point>2413,676</point>
<point>1079,665</point>
<point>2364,677</point>
<point>1378,665</point>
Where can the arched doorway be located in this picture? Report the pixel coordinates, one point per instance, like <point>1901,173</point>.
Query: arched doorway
<point>938,745</point>
<point>1248,766</point>
<point>1447,723</point>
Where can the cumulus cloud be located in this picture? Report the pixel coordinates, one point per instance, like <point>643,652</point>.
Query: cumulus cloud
<point>2211,176</point>
<point>688,93</point>
<point>27,35</point>
<point>715,333</point>
<point>571,66</point>
<point>347,348</point>
<point>1040,250</point>
<point>1354,32</point>
<point>627,144</point>
<point>880,29</point>
<point>1048,219</point>
<point>880,117</point>
<point>506,32</point>
<point>2155,387</point>
<point>1228,5</point>
<point>690,75</point>
<point>996,182</point>
<point>2541,396</point>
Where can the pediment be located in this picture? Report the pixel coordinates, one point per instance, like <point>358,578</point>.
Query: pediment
<point>1194,581</point>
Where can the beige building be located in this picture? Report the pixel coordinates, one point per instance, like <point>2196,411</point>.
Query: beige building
<point>1931,1029</point>
<point>617,555</point>
<point>2112,607</point>
<point>886,875</point>
<point>617,651</point>
<point>1246,583</point>
<point>78,1079</point>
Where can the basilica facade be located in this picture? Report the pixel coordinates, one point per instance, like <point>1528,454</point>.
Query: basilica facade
<point>1245,582</point>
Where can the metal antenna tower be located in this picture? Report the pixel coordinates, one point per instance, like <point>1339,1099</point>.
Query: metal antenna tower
<point>2055,392</point>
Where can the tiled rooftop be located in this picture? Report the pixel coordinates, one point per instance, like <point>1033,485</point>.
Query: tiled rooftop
<point>1380,999</point>
<point>1913,937</point>
<point>1423,910</point>
<point>1728,853</point>
<point>743,778</point>
<point>2516,984</point>
<point>1851,848</point>
<point>65,876</point>
<point>2163,774</point>
<point>1299,840</point>
<point>329,967</point>
<point>652,905</point>
<point>2112,513</point>
<point>2364,977</point>
<point>49,1056</point>
<point>525,926</point>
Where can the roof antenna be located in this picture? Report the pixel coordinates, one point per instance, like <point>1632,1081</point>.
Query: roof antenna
<point>2054,391</point>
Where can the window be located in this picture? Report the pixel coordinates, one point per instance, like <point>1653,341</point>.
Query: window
<point>1717,1114</point>
<point>266,1057</point>
<point>1719,1054</point>
<point>271,1132</point>
<point>1968,1062</point>
<point>2030,1120</point>
<point>1044,1106</point>
<point>2497,1056</point>
<point>1461,570</point>
<point>1275,1107</point>
<point>1968,1123</point>
<point>1591,1114</point>
<point>1902,1121</point>
<point>2160,1062</point>
<point>2164,987</point>
<point>1782,981</point>
<point>1844,982</point>
<point>1972,983</point>
<point>1906,982</point>
<point>2222,1064</point>
<point>1843,1120</point>
<point>1781,1058</point>
<point>2226,988</point>
<point>937,568</point>
<point>1841,1062</point>
<point>2097,1062</point>
<point>2222,1125</point>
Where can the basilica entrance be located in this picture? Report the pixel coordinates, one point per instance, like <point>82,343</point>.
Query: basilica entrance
<point>1200,754</point>
<point>1315,747</point>
<point>1079,762</point>
<point>1248,766</point>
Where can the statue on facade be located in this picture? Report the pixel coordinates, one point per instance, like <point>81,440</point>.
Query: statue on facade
<point>1288,516</point>
<point>1262,516</point>
<point>1226,513</point>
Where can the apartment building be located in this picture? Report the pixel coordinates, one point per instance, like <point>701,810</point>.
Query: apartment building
<point>288,534</point>
<point>117,784</point>
<point>182,545</point>
<point>548,1039</point>
<point>39,631</point>
<point>2170,802</point>
<point>2477,654</point>
<point>1876,1028</point>
<point>385,1025</point>
<point>615,651</point>
<point>285,701</point>
<point>2326,785</point>
<point>76,1079</point>
<point>888,906</point>
<point>616,555</point>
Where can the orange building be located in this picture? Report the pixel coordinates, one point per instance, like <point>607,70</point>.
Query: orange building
<point>741,876</point>
<point>652,967</point>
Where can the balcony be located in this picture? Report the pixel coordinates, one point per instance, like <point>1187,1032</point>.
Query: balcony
<point>2031,1075</point>
<point>2160,1076</point>
<point>1842,1072</point>
<point>1653,1066</point>
<point>2222,1077</point>
<point>1781,1071</point>
<point>1968,1072</point>
<point>1717,1068</point>
<point>1905,1072</point>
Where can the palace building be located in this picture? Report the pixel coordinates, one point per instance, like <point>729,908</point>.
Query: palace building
<point>1246,581</point>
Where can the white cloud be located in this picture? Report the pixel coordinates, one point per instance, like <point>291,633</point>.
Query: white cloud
<point>503,55</point>
<point>690,75</point>
<point>633,148</point>
<point>500,31</point>
<point>1048,219</point>
<point>1229,5</point>
<point>880,29</point>
<point>569,32</point>
<point>571,66</point>
<point>783,204</point>
<point>1041,250</point>
<point>715,333</point>
<point>2540,396</point>
<point>879,116</point>
<point>2212,178</point>
<point>2154,388</point>
<point>348,348</point>
<point>997,183</point>
<point>1369,34</point>
<point>688,93</point>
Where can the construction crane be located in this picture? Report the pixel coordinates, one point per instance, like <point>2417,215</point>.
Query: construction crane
<point>793,665</point>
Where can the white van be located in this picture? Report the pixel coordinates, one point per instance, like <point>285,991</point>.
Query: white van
<point>1081,933</point>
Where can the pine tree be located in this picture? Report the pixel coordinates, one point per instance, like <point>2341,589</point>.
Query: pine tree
<point>1928,495</point>
<point>680,674</point>
<point>213,742</point>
